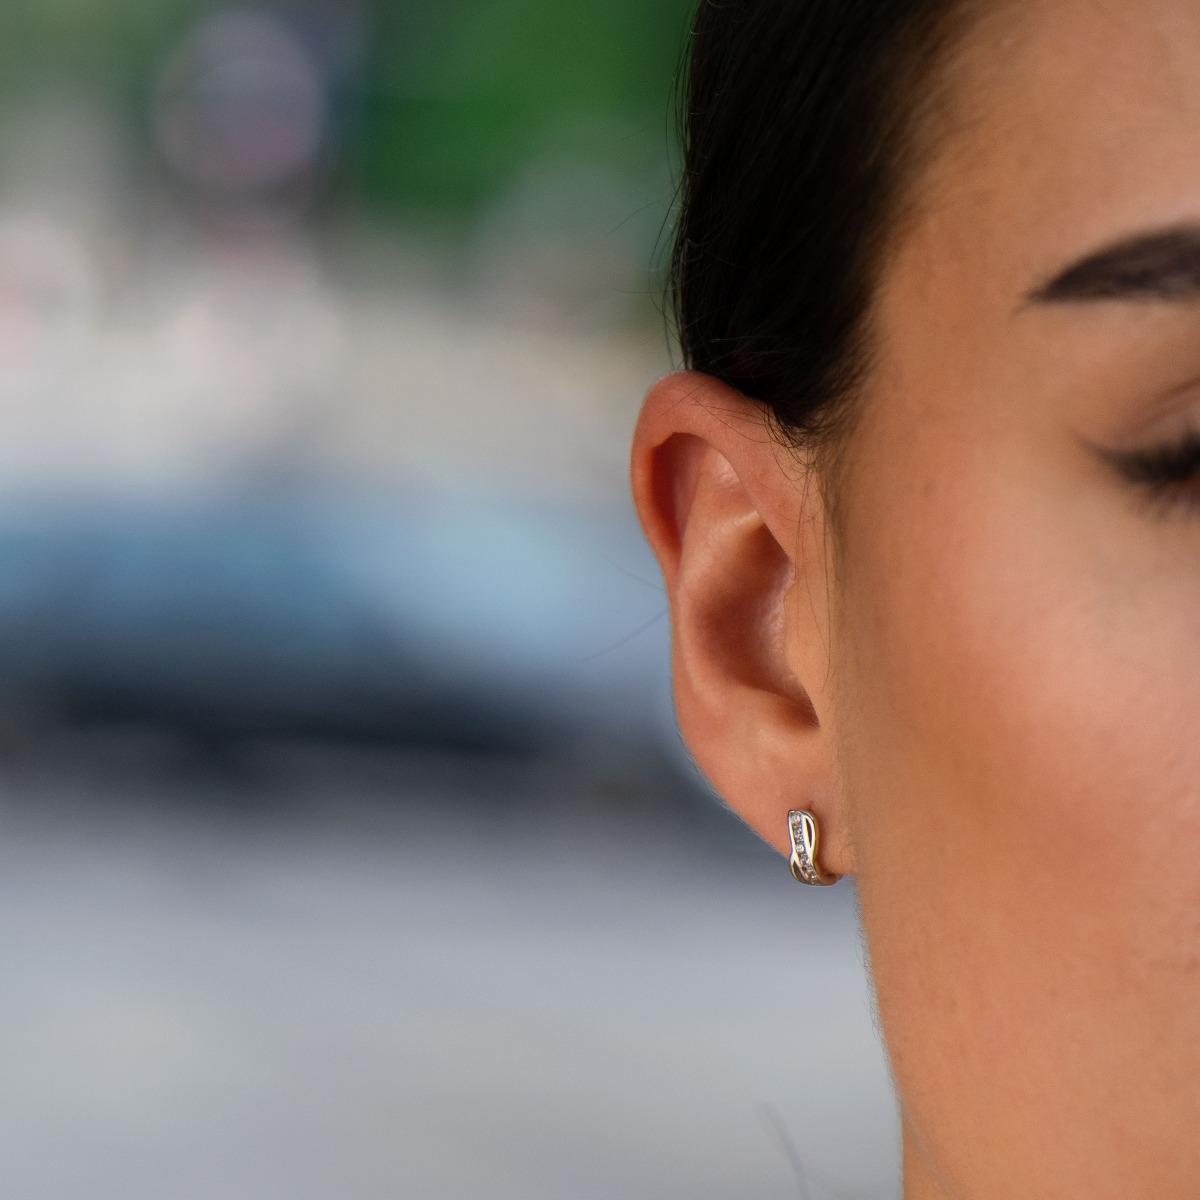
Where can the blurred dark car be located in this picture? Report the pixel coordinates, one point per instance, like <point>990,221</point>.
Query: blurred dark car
<point>470,624</point>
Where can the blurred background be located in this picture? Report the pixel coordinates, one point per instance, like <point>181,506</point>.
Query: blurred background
<point>347,846</point>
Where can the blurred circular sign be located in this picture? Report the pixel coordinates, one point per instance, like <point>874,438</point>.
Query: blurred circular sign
<point>241,106</point>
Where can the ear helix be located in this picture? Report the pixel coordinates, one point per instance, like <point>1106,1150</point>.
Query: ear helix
<point>805,836</point>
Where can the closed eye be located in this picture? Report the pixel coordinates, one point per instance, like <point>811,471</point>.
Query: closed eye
<point>1169,473</point>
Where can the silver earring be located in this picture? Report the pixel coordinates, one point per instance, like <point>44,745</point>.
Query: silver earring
<point>802,826</point>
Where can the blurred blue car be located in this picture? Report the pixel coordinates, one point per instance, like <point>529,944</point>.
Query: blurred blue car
<point>433,620</point>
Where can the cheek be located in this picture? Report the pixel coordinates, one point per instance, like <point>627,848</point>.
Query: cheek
<point>1018,704</point>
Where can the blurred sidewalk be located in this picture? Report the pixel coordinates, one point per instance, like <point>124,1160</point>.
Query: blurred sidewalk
<point>432,1000</point>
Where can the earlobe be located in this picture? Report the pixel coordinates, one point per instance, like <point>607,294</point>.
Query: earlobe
<point>739,537</point>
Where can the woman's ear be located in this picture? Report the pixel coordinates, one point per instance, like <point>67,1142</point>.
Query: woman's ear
<point>738,525</point>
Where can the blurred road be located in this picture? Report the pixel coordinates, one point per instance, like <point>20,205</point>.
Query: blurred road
<point>209,994</point>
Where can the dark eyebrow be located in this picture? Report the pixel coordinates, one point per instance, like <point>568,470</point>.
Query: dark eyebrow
<point>1155,266</point>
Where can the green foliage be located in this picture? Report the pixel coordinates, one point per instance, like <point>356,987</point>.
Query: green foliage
<point>461,96</point>
<point>108,43</point>
<point>456,96</point>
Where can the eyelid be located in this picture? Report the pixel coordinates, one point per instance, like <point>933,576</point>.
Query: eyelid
<point>1168,417</point>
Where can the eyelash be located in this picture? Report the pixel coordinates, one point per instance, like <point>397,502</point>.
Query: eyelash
<point>1165,472</point>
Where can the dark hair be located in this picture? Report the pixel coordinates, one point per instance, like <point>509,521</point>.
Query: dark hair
<point>799,120</point>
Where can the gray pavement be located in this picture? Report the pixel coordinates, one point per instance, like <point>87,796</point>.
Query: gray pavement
<point>361,1000</point>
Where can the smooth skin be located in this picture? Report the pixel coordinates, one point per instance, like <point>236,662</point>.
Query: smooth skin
<point>981,668</point>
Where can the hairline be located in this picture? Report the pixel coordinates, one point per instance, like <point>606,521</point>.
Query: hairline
<point>933,99</point>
